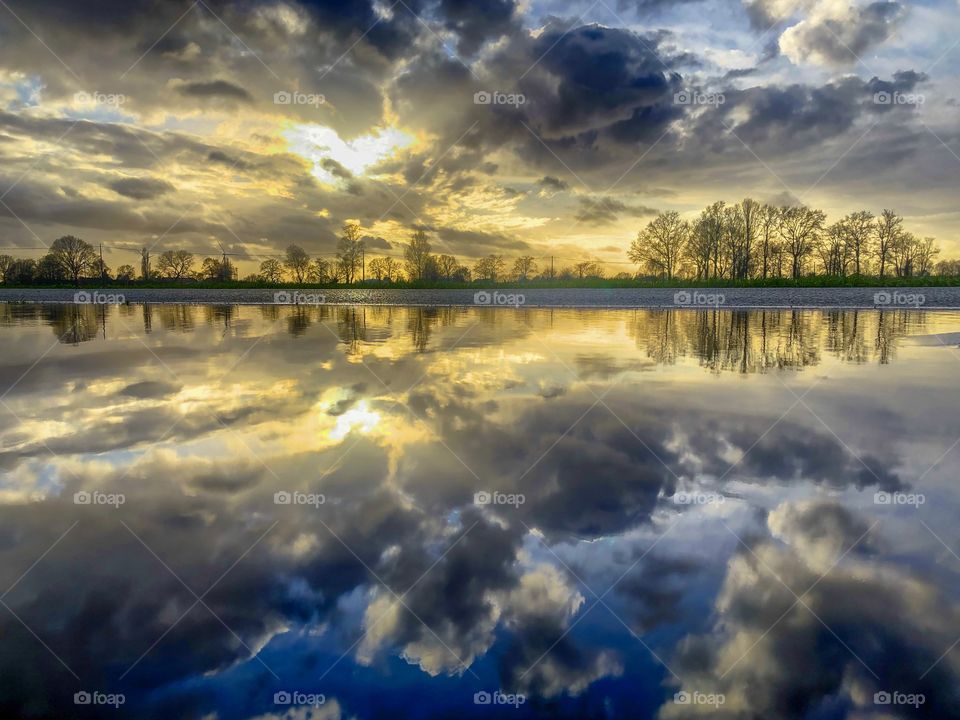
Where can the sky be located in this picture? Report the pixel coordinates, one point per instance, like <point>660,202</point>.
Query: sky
<point>517,128</point>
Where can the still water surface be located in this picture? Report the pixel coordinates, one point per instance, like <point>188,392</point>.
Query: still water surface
<point>381,512</point>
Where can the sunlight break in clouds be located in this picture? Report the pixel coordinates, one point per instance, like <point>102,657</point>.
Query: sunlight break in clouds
<point>317,143</point>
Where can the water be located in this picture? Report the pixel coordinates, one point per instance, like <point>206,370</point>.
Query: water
<point>451,512</point>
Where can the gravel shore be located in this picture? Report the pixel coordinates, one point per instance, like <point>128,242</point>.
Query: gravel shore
<point>899,298</point>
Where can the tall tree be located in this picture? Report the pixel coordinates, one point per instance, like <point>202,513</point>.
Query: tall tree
<point>801,227</point>
<point>859,228</point>
<point>888,231</point>
<point>5,262</point>
<point>416,256</point>
<point>297,262</point>
<point>768,227</point>
<point>659,247</point>
<point>271,270</point>
<point>350,252</point>
<point>489,268</point>
<point>524,267</point>
<point>75,256</point>
<point>175,264</point>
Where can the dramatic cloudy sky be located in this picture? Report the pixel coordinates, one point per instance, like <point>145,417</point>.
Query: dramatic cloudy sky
<point>155,123</point>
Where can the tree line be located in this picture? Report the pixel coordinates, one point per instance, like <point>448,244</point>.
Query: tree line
<point>752,240</point>
<point>745,241</point>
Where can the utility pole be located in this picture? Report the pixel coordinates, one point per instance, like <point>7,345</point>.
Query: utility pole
<point>103,270</point>
<point>551,267</point>
<point>363,261</point>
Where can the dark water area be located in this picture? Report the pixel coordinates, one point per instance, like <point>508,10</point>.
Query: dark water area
<point>326,512</point>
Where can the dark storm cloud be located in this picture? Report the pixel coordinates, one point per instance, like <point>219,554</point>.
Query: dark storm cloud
<point>476,23</point>
<point>473,243</point>
<point>149,389</point>
<point>141,188</point>
<point>221,89</point>
<point>606,210</point>
<point>862,627</point>
<point>547,182</point>
<point>796,452</point>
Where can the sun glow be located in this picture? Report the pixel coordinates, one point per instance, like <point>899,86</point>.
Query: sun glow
<point>359,418</point>
<point>320,144</point>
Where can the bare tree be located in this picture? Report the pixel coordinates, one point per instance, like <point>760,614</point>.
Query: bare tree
<point>768,225</point>
<point>175,264</point>
<point>6,261</point>
<point>524,267</point>
<point>297,262</point>
<point>749,219</point>
<point>74,256</point>
<point>888,230</point>
<point>350,252</point>
<point>416,256</point>
<point>927,250</point>
<point>800,228</point>
<point>859,228</point>
<point>447,266</point>
<point>660,246</point>
<point>146,272</point>
<point>489,268</point>
<point>271,270</point>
